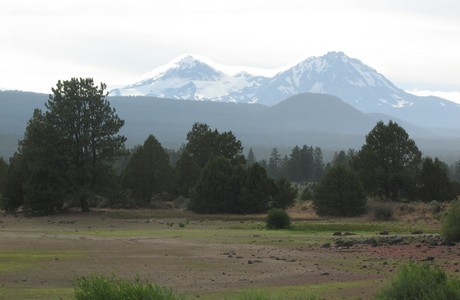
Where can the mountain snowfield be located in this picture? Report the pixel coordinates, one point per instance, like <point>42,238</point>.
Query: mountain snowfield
<point>190,78</point>
<point>193,78</point>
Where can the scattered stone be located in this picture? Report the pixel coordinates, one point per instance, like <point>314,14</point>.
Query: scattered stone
<point>349,233</point>
<point>337,233</point>
<point>326,245</point>
<point>325,274</point>
<point>385,232</point>
<point>342,243</point>
<point>249,262</point>
<point>429,258</point>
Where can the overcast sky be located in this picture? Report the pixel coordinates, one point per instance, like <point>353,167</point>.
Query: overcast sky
<point>414,43</point>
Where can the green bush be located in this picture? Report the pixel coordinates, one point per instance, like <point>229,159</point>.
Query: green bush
<point>451,222</point>
<point>278,218</point>
<point>421,282</point>
<point>98,287</point>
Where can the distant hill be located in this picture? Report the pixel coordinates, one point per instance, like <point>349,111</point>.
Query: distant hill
<point>313,119</point>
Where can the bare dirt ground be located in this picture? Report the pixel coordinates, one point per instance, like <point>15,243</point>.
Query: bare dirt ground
<point>205,258</point>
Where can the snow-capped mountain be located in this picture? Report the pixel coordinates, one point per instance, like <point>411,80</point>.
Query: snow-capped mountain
<point>338,75</point>
<point>334,73</point>
<point>190,78</point>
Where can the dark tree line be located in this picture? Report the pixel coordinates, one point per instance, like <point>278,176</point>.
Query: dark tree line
<point>302,165</point>
<point>72,154</point>
<point>390,166</point>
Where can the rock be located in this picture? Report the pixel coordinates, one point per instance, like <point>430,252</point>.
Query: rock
<point>429,258</point>
<point>385,232</point>
<point>337,233</point>
<point>249,262</point>
<point>417,232</point>
<point>325,274</point>
<point>349,233</point>
<point>326,245</point>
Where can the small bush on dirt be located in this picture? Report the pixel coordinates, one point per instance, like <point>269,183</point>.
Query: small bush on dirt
<point>381,211</point>
<point>278,219</point>
<point>420,281</point>
<point>451,222</point>
<point>98,287</point>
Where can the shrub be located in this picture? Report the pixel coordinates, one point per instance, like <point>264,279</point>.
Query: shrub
<point>451,222</point>
<point>278,219</point>
<point>381,211</point>
<point>97,287</point>
<point>420,281</point>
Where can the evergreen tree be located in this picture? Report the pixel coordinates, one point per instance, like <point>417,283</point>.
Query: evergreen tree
<point>13,196</point>
<point>188,173</point>
<point>318,164</point>
<point>148,171</point>
<point>256,190</point>
<point>294,167</point>
<point>339,193</point>
<point>203,143</point>
<point>388,162</point>
<point>434,183</point>
<point>35,177</point>
<point>3,174</point>
<point>87,127</point>
<point>213,193</point>
<point>251,159</point>
<point>300,167</point>
<point>284,195</point>
<point>274,164</point>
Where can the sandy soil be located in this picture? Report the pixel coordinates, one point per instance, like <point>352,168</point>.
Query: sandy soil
<point>65,250</point>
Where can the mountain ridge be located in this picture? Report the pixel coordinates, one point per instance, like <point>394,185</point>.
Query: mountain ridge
<point>333,73</point>
<point>312,119</point>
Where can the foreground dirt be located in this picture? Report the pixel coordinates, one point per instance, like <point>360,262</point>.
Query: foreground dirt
<point>204,258</point>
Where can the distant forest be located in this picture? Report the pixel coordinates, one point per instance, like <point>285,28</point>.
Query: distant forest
<point>73,153</point>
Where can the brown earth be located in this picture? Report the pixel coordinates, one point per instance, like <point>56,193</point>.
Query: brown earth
<point>203,258</point>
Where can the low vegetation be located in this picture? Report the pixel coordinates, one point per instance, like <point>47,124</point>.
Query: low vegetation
<point>422,282</point>
<point>98,287</point>
<point>278,219</point>
<point>451,222</point>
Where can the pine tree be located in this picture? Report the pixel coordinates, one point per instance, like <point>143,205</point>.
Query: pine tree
<point>434,183</point>
<point>339,193</point>
<point>86,125</point>
<point>213,193</point>
<point>274,164</point>
<point>188,173</point>
<point>388,162</point>
<point>148,171</point>
<point>251,159</point>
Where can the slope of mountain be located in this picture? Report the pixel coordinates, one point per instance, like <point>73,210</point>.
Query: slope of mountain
<point>334,73</point>
<point>360,86</point>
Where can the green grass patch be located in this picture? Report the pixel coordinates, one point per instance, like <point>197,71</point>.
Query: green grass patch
<point>36,293</point>
<point>14,260</point>
<point>332,290</point>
